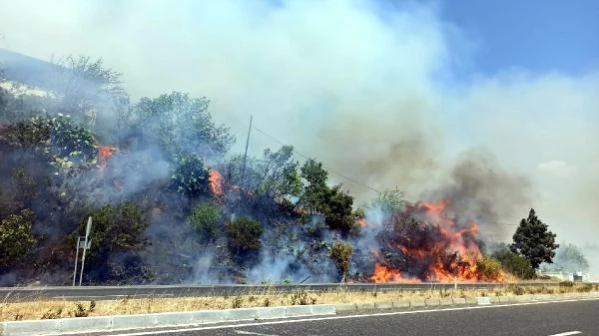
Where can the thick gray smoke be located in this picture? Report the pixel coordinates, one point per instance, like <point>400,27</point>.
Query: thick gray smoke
<point>481,189</point>
<point>367,94</point>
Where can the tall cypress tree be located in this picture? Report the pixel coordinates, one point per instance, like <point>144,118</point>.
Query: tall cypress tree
<point>534,241</point>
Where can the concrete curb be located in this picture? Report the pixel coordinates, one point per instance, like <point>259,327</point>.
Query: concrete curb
<point>445,302</point>
<point>123,322</point>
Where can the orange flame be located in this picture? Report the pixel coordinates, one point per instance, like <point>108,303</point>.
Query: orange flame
<point>452,243</point>
<point>216,183</point>
<point>104,152</point>
<point>384,274</point>
<point>362,222</point>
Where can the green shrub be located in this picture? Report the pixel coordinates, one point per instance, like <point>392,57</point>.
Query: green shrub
<point>519,290</point>
<point>60,136</point>
<point>488,268</point>
<point>16,238</point>
<point>566,283</point>
<point>115,227</point>
<point>244,235</point>
<point>341,254</point>
<point>300,298</point>
<point>81,311</point>
<point>515,264</point>
<point>585,288</point>
<point>237,302</point>
<point>205,220</point>
<point>52,315</point>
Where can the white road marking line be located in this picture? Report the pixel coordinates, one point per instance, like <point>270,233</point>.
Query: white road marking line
<point>241,332</point>
<point>193,327</point>
<point>568,333</point>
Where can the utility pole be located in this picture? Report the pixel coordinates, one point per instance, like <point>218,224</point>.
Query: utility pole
<point>247,143</point>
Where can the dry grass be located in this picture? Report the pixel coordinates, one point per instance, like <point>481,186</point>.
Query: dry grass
<point>48,309</point>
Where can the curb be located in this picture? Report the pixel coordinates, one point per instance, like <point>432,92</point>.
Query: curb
<point>445,302</point>
<point>124,322</point>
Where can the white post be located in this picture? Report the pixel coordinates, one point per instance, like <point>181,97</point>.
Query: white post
<point>85,246</point>
<point>76,259</point>
<point>83,262</point>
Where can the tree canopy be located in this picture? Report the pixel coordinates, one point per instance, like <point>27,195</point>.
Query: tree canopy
<point>534,241</point>
<point>182,125</point>
<point>569,258</point>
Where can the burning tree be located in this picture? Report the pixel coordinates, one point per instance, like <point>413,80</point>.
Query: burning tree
<point>428,242</point>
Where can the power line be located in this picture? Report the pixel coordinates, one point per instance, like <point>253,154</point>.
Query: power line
<point>338,173</point>
<point>308,157</point>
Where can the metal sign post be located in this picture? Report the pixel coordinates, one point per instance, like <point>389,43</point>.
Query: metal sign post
<point>76,259</point>
<point>83,242</point>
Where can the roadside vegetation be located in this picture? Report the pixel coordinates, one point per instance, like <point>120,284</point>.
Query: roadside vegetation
<point>53,309</point>
<point>171,203</point>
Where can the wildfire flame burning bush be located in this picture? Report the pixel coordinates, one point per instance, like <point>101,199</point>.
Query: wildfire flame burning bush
<point>426,242</point>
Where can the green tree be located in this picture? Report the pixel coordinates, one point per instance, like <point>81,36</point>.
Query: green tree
<point>71,139</point>
<point>534,241</point>
<point>569,258</point>
<point>205,219</point>
<point>316,190</point>
<point>279,176</point>
<point>332,202</point>
<point>183,124</point>
<point>243,236</point>
<point>390,200</point>
<point>190,178</point>
<point>16,239</point>
<point>84,82</point>
<point>270,185</point>
<point>91,92</point>
<point>337,210</point>
<point>67,142</point>
<point>341,254</point>
<point>360,213</point>
<point>514,263</point>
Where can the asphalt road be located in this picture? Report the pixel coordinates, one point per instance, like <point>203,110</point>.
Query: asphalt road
<point>118,292</point>
<point>542,319</point>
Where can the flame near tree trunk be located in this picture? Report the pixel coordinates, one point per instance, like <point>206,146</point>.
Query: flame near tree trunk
<point>216,180</point>
<point>104,152</point>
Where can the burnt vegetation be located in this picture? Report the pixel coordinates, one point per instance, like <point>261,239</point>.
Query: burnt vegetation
<point>171,203</point>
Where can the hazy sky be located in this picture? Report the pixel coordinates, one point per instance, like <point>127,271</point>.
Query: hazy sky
<point>387,92</point>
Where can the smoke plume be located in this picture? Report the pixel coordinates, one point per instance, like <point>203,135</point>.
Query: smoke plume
<point>371,95</point>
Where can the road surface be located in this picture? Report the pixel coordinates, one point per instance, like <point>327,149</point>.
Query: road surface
<point>523,319</point>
